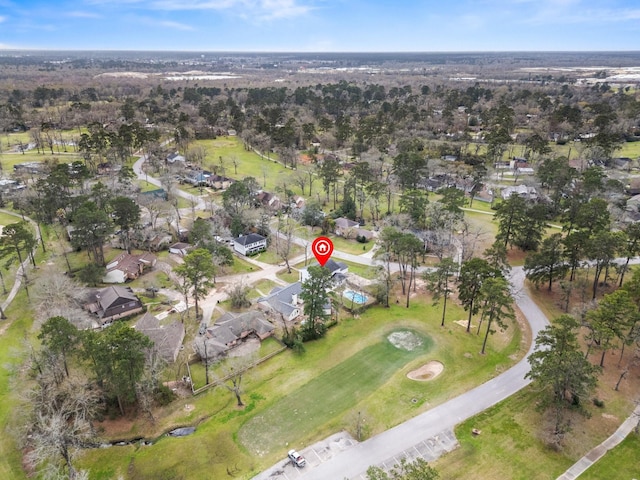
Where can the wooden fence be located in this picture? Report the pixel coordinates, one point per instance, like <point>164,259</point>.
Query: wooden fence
<point>219,381</point>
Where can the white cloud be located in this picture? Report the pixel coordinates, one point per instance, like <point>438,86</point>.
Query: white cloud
<point>79,14</point>
<point>154,22</point>
<point>255,10</point>
<point>2,18</point>
<point>174,25</point>
<point>586,15</point>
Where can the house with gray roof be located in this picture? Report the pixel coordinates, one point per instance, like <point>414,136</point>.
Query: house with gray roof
<point>113,303</point>
<point>338,270</point>
<point>167,339</point>
<point>283,301</point>
<point>250,244</point>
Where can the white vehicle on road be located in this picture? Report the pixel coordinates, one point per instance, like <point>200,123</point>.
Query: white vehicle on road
<point>297,459</point>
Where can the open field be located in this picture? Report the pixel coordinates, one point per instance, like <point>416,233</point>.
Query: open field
<point>268,174</point>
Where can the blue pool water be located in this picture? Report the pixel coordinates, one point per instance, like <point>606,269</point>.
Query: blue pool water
<point>355,297</point>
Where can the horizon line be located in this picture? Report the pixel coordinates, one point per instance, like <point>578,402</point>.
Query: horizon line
<point>17,49</point>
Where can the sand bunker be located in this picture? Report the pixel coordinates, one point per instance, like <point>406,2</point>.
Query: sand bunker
<point>428,371</point>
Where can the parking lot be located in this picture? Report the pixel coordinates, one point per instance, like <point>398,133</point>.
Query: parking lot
<point>429,450</point>
<point>315,455</point>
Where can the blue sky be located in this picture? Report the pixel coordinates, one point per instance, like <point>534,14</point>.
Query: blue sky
<point>321,25</point>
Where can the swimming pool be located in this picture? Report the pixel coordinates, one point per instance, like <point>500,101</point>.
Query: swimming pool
<point>355,297</point>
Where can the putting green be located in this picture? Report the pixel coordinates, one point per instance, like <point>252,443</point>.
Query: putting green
<point>330,394</point>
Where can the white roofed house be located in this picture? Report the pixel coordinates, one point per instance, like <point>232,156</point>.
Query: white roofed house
<point>175,157</point>
<point>249,244</point>
<point>528,193</point>
<point>180,248</point>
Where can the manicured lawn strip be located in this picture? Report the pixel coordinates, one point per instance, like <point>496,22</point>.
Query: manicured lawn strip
<point>264,286</point>
<point>292,277</point>
<point>12,353</point>
<point>239,266</point>
<point>298,415</point>
<point>617,463</point>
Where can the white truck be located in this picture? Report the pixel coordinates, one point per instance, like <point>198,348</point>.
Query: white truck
<point>297,459</point>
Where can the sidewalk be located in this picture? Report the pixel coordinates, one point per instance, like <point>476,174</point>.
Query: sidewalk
<point>598,452</point>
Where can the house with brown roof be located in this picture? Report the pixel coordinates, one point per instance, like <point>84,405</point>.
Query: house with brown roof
<point>230,331</point>
<point>269,201</point>
<point>167,339</point>
<point>128,267</point>
<point>113,303</point>
<point>219,182</point>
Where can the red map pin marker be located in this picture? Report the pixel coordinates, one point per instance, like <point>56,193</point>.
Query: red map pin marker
<point>322,248</point>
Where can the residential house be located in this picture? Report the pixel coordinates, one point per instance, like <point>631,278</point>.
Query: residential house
<point>197,178</point>
<point>175,157</point>
<point>528,193</point>
<point>128,267</point>
<point>230,331</point>
<point>338,270</point>
<point>180,248</point>
<point>283,301</point>
<point>269,201</point>
<point>167,340</point>
<point>297,202</point>
<point>219,182</point>
<point>113,303</point>
<point>157,193</point>
<point>345,227</point>
<point>250,244</point>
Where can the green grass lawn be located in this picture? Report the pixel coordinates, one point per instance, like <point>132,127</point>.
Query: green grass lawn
<point>296,417</point>
<point>249,164</point>
<point>512,443</point>
<point>349,348</point>
<point>621,462</point>
<point>239,266</point>
<point>12,353</point>
<point>506,448</point>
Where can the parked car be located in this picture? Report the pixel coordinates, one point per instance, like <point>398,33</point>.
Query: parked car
<point>297,459</point>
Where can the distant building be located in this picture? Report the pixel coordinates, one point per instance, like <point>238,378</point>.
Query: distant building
<point>338,270</point>
<point>180,248</point>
